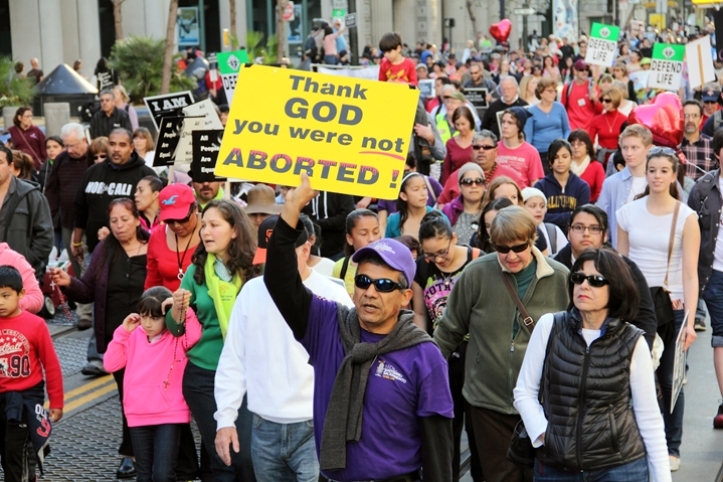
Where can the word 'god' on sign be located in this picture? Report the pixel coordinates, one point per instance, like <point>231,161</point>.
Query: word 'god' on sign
<point>349,135</point>
<point>666,68</point>
<point>602,46</point>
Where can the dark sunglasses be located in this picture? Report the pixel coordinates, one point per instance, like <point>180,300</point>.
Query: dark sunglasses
<point>446,97</point>
<point>468,182</point>
<point>191,212</point>
<point>710,101</point>
<point>100,156</point>
<point>606,101</point>
<point>477,147</point>
<point>517,248</point>
<point>382,285</point>
<point>594,280</point>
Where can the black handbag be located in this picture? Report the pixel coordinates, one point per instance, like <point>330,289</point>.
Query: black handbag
<point>521,452</point>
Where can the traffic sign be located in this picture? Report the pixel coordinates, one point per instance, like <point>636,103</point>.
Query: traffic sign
<point>350,20</point>
<point>525,11</point>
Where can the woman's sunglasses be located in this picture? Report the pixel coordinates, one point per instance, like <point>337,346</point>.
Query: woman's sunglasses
<point>517,248</point>
<point>594,280</point>
<point>382,285</point>
<point>468,182</point>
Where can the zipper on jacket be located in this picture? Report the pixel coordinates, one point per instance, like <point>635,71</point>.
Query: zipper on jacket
<point>580,412</point>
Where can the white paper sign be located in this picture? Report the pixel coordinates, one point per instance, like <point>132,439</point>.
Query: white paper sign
<point>184,150</point>
<point>700,62</point>
<point>207,110</point>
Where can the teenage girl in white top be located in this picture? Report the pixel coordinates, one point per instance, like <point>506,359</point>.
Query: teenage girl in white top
<point>643,235</point>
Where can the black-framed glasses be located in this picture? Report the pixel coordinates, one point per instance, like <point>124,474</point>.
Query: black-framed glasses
<point>477,147</point>
<point>594,280</point>
<point>438,254</point>
<point>606,101</point>
<point>468,182</point>
<point>382,285</point>
<point>580,228</point>
<point>518,248</point>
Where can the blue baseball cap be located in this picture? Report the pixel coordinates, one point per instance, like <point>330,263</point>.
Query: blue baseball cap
<point>395,254</point>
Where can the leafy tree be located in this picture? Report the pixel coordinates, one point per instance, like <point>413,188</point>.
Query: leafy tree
<point>139,63</point>
<point>13,90</point>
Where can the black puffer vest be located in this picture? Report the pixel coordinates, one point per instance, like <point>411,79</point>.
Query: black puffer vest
<point>586,396</point>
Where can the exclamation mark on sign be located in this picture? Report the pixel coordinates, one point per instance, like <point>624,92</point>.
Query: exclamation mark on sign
<point>395,176</point>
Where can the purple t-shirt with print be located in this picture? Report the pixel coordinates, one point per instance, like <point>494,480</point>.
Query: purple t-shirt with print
<point>403,385</point>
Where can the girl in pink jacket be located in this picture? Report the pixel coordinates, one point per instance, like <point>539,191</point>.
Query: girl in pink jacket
<point>154,362</point>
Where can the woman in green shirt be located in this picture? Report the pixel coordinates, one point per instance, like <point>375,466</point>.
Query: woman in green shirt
<point>221,263</point>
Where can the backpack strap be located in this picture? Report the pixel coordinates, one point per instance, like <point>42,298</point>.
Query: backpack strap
<point>344,267</point>
<point>717,119</point>
<point>552,234</point>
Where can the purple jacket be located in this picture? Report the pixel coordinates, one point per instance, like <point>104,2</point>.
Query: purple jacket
<point>453,209</point>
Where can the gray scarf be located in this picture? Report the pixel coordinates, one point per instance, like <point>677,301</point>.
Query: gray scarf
<point>343,420</point>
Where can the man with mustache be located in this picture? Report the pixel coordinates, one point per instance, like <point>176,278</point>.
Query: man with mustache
<point>697,147</point>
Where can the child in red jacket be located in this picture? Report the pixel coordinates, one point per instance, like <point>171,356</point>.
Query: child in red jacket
<point>25,351</point>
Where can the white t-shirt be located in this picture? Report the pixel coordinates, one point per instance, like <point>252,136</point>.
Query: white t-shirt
<point>648,236</point>
<point>560,239</point>
<point>718,253</point>
<point>325,266</point>
<point>639,184</point>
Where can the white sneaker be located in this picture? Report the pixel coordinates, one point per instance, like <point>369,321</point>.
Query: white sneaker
<point>674,463</point>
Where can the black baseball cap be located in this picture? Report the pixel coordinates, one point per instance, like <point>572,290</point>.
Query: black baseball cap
<point>265,230</point>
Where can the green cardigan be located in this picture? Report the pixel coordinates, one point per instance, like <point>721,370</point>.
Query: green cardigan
<point>207,351</point>
<point>481,306</point>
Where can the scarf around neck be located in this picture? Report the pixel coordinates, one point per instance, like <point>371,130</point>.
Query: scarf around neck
<point>223,293</point>
<point>578,169</point>
<point>343,421</point>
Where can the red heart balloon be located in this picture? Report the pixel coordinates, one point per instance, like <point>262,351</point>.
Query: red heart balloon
<point>501,30</point>
<point>663,117</point>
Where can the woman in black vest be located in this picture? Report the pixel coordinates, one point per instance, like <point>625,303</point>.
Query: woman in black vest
<point>593,373</point>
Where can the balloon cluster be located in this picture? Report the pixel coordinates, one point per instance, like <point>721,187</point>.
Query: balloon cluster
<point>663,117</point>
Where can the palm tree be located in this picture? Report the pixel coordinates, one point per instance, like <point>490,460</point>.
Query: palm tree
<point>168,55</point>
<point>118,18</point>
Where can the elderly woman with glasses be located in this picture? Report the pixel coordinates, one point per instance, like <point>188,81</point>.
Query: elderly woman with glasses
<point>586,390</point>
<point>485,304</point>
<point>661,234</point>
<point>608,125</point>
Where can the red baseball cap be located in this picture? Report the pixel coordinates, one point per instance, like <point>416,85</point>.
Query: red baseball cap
<point>176,201</point>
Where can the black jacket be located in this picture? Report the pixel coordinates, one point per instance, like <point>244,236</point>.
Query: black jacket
<point>705,199</point>
<point>102,183</point>
<point>26,223</point>
<point>102,125</point>
<point>329,210</point>
<point>646,319</point>
<point>585,392</point>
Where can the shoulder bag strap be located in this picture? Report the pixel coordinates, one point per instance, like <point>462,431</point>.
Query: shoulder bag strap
<point>37,156</point>
<point>670,242</point>
<point>429,188</point>
<point>526,318</point>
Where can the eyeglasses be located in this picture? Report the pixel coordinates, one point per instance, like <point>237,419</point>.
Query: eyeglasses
<point>594,280</point>
<point>517,248</point>
<point>477,147</point>
<point>382,285</point>
<point>100,156</point>
<point>710,101</point>
<point>580,228</point>
<point>606,101</point>
<point>446,97</point>
<point>468,182</point>
<point>439,254</point>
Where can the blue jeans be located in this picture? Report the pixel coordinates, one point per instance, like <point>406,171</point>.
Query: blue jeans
<point>673,421</point>
<point>713,297</point>
<point>284,452</point>
<point>156,448</point>
<point>636,471</point>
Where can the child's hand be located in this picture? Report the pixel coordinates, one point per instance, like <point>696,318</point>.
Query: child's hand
<point>55,414</point>
<point>132,322</point>
<point>59,277</point>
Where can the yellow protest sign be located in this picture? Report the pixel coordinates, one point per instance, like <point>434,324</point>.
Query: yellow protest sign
<point>349,135</point>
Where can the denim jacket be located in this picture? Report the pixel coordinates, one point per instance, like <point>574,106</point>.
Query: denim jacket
<point>706,199</point>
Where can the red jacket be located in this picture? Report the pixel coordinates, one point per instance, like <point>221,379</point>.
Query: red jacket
<point>31,141</point>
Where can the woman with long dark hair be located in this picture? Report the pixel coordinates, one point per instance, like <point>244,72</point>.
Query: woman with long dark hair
<point>411,207</point>
<point>661,234</point>
<point>27,137</point>
<point>362,228</point>
<point>223,261</point>
<point>584,163</point>
<point>459,147</point>
<point>114,282</point>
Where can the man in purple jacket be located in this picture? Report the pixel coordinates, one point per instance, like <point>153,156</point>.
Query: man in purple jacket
<point>382,405</point>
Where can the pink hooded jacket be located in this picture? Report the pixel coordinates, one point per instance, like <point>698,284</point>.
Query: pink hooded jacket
<point>33,299</point>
